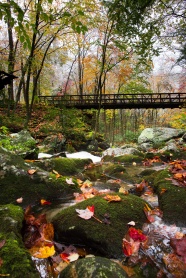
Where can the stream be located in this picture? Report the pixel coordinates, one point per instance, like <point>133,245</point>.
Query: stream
<point>158,232</point>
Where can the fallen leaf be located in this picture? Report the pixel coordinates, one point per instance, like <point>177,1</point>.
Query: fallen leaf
<point>44,252</point>
<point>131,223</point>
<point>85,213</point>
<point>141,186</point>
<point>73,257</point>
<point>136,234</point>
<point>152,214</point>
<point>64,257</point>
<point>130,247</point>
<point>31,171</point>
<point>45,202</point>
<point>19,200</point>
<point>163,190</point>
<point>69,181</point>
<point>56,173</point>
<point>47,231</point>
<point>79,182</point>
<point>86,184</point>
<point>112,198</point>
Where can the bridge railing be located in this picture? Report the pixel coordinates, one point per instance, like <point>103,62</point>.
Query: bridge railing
<point>114,99</point>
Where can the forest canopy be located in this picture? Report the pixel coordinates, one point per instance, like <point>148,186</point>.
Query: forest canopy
<point>80,47</point>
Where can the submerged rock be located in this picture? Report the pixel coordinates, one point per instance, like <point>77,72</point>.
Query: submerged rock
<point>94,267</point>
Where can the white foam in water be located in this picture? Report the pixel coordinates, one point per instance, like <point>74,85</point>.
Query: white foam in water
<point>44,155</point>
<point>83,154</point>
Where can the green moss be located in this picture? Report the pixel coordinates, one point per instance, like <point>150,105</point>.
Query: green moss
<point>12,146</point>
<point>129,158</point>
<point>12,211</point>
<point>114,168</point>
<point>64,166</point>
<point>16,260</point>
<point>118,171</point>
<point>33,189</point>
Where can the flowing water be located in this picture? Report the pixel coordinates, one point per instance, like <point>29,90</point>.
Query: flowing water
<point>159,234</point>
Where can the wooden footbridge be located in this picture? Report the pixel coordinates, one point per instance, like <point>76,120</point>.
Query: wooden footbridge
<point>118,101</point>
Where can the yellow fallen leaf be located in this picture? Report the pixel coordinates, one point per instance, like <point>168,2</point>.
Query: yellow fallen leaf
<point>56,173</point>
<point>44,252</point>
<point>112,198</point>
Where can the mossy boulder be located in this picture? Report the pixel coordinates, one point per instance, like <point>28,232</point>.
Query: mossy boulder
<point>93,267</point>
<point>103,238</point>
<point>129,158</point>
<point>16,182</point>
<point>21,143</point>
<point>16,261</point>
<point>172,199</point>
<point>64,166</point>
<point>122,172</point>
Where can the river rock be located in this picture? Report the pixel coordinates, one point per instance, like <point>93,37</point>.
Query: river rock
<point>184,137</point>
<point>120,151</point>
<point>171,198</point>
<point>53,143</point>
<point>31,182</point>
<point>105,235</point>
<point>159,134</point>
<point>15,260</point>
<point>94,267</point>
<point>21,143</point>
<point>170,146</point>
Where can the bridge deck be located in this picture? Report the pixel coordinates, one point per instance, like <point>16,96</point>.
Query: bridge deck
<point>118,101</point>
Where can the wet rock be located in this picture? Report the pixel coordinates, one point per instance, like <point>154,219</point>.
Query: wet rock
<point>104,239</point>
<point>16,261</point>
<point>93,267</point>
<point>172,199</point>
<point>18,180</point>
